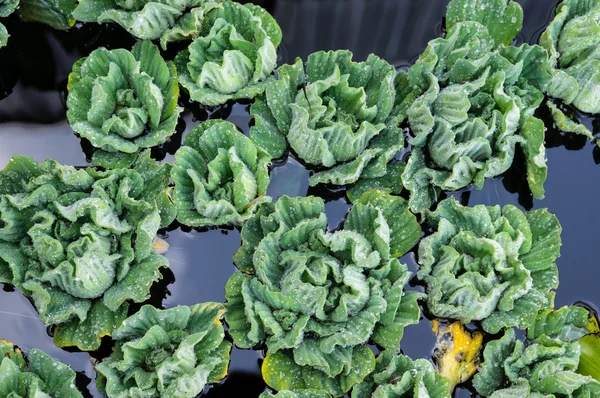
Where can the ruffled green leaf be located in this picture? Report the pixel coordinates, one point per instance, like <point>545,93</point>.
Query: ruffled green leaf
<point>40,376</point>
<point>220,175</point>
<point>334,114</point>
<point>390,182</point>
<point>234,53</point>
<point>167,353</point>
<point>281,372</point>
<point>468,105</point>
<point>564,122</point>
<point>546,366</point>
<point>123,102</point>
<point>55,13</point>
<point>314,296</point>
<point>572,40</point>
<point>80,242</point>
<point>396,375</point>
<point>7,7</point>
<point>502,18</point>
<point>489,264</point>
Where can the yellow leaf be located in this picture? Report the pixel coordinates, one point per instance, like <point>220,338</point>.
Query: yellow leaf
<point>457,351</point>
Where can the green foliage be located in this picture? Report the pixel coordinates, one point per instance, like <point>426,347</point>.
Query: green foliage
<point>79,241</point>
<point>7,7</point>
<point>172,353</point>
<point>503,19</point>
<point>296,394</point>
<point>315,297</point>
<point>468,105</point>
<point>397,376</point>
<point>234,53</point>
<point>39,376</point>
<point>489,264</point>
<point>334,113</point>
<point>220,176</point>
<point>55,13</point>
<point>539,369</point>
<point>123,102</point>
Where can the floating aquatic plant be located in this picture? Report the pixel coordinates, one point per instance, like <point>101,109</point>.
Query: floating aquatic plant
<point>7,7</point>
<point>334,113</point>
<point>547,366</point>
<point>468,105</point>
<point>38,376</point>
<point>166,20</point>
<point>315,297</point>
<point>234,53</point>
<point>123,102</point>
<point>397,375</point>
<point>489,264</point>
<point>172,353</point>
<point>55,13</point>
<point>79,241</point>
<point>220,176</point>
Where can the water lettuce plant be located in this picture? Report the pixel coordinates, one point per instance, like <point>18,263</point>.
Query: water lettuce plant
<point>547,366</point>
<point>468,105</point>
<point>123,102</point>
<point>220,176</point>
<point>234,53</point>
<point>489,264</point>
<point>7,7</point>
<point>334,113</point>
<point>79,241</point>
<point>166,20</point>
<point>38,376</point>
<point>397,375</point>
<point>55,13</point>
<point>573,43</point>
<point>316,297</point>
<point>172,353</point>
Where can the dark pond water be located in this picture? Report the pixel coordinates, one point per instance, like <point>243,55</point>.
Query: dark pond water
<point>33,72</point>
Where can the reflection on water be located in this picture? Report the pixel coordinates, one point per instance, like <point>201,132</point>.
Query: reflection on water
<point>397,30</point>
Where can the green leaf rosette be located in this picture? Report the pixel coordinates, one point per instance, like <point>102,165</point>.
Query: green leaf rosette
<point>7,7</point>
<point>316,297</point>
<point>172,353</point>
<point>545,368</point>
<point>233,55</point>
<point>38,377</point>
<point>503,19</point>
<point>335,115</point>
<point>398,376</point>
<point>220,176</point>
<point>56,13</point>
<point>573,42</point>
<point>123,102</point>
<point>468,105</point>
<point>166,20</point>
<point>79,241</point>
<point>489,264</point>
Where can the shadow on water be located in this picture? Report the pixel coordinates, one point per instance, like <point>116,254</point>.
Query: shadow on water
<point>34,68</point>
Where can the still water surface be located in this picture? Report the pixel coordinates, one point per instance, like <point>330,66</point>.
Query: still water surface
<point>33,72</point>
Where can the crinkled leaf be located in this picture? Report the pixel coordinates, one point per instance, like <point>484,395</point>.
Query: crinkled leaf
<point>281,372</point>
<point>297,394</point>
<point>80,241</point>
<point>169,353</point>
<point>123,102</point>
<point>40,376</point>
<point>56,13</point>
<point>234,53</point>
<point>546,366</point>
<point>220,175</point>
<point>397,375</point>
<point>489,264</point>
<point>502,18</point>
